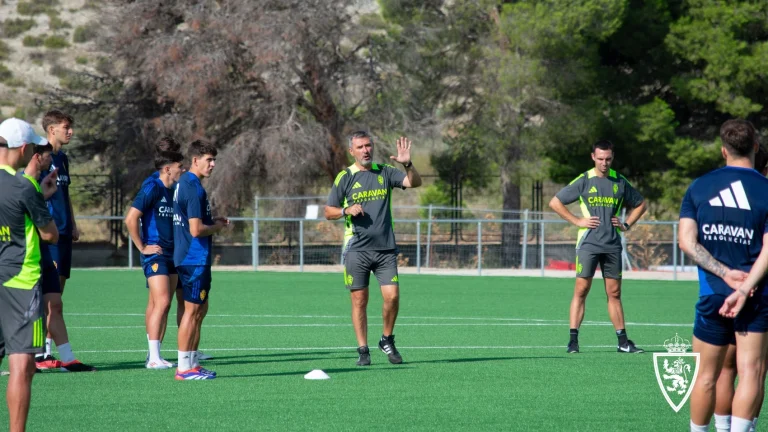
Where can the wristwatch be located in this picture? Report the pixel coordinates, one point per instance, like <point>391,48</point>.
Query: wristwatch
<point>342,211</point>
<point>408,165</point>
<point>626,226</point>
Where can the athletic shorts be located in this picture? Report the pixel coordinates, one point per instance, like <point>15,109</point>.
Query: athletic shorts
<point>711,327</point>
<point>62,255</point>
<point>196,283</point>
<point>22,327</point>
<point>50,279</point>
<point>587,261</point>
<point>158,266</point>
<point>358,266</point>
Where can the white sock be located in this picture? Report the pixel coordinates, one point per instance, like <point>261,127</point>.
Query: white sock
<point>739,424</point>
<point>722,423</point>
<point>754,425</point>
<point>698,428</point>
<point>195,361</point>
<point>48,342</point>
<point>154,350</point>
<point>65,352</point>
<point>185,361</point>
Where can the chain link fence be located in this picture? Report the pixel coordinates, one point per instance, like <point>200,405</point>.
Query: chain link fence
<point>491,240</point>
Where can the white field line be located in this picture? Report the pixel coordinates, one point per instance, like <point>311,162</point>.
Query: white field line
<point>398,325</point>
<point>468,347</point>
<point>514,321</point>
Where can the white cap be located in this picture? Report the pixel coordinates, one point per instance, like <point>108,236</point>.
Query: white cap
<point>17,132</point>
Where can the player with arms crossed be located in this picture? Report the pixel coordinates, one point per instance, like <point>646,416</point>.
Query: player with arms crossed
<point>193,230</point>
<point>154,207</point>
<point>723,220</point>
<point>22,215</point>
<point>602,193</point>
<point>362,195</point>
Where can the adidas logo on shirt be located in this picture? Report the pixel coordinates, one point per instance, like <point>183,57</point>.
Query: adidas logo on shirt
<point>732,197</point>
<point>593,190</point>
<point>163,200</point>
<point>357,185</point>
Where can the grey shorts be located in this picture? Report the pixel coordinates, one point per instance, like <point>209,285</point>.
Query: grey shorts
<point>358,266</point>
<point>22,327</point>
<point>587,261</point>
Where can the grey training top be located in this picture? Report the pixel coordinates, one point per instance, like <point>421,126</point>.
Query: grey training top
<point>373,230</point>
<point>603,197</point>
<point>22,210</point>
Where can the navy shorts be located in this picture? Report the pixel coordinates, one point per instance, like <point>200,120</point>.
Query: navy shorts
<point>62,255</point>
<point>50,280</point>
<point>709,326</point>
<point>158,265</point>
<point>196,283</point>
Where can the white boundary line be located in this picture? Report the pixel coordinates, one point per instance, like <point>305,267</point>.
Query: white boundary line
<point>398,325</point>
<point>478,347</point>
<point>515,321</point>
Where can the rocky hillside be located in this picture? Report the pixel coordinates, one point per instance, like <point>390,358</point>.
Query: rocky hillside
<point>41,43</point>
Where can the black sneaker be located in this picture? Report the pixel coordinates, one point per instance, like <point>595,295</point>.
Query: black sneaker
<point>629,347</point>
<point>573,347</point>
<point>364,358</point>
<point>387,345</point>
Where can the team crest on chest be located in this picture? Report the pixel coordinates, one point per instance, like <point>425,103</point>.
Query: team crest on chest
<point>615,189</point>
<point>381,180</point>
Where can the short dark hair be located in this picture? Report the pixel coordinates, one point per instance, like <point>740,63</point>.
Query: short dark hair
<point>167,144</point>
<point>761,158</point>
<point>738,136</point>
<point>166,158</point>
<point>54,117</point>
<point>40,149</point>
<point>358,134</point>
<point>602,145</point>
<point>200,148</point>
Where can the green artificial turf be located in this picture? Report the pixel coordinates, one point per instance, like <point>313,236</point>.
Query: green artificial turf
<point>481,353</point>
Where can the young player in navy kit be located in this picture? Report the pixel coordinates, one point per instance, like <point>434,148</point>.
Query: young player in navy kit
<point>153,206</point>
<point>723,221</point>
<point>193,232</point>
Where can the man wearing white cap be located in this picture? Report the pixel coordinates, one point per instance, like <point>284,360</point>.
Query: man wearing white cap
<point>24,221</point>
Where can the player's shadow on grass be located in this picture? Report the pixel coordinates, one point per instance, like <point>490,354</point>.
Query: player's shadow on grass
<point>275,358</point>
<point>120,366</point>
<point>480,359</point>
<point>301,373</point>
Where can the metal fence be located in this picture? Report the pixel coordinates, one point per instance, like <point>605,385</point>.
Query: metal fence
<point>491,240</point>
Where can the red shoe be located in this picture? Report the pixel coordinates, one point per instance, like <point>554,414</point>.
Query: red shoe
<point>48,362</point>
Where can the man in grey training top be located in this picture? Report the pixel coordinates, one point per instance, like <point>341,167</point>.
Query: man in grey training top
<point>362,195</point>
<point>601,193</point>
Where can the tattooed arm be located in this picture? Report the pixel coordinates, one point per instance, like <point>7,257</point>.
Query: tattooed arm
<point>689,243</point>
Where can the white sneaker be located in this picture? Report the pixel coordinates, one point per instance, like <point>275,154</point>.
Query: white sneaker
<point>203,356</point>
<point>159,365</point>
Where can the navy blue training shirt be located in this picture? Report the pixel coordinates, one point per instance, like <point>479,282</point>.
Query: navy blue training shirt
<point>190,201</point>
<point>730,207</point>
<point>58,204</point>
<point>155,202</point>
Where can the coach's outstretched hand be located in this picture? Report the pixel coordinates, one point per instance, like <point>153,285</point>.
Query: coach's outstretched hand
<point>403,151</point>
